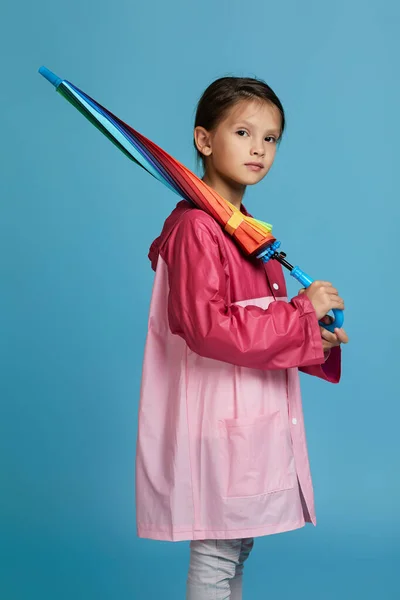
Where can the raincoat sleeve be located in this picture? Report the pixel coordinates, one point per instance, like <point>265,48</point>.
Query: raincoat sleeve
<point>284,335</point>
<point>330,370</point>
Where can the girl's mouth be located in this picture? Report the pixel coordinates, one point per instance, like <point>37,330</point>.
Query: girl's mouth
<point>253,167</point>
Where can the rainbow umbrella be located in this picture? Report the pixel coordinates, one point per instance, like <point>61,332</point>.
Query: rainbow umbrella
<point>253,236</point>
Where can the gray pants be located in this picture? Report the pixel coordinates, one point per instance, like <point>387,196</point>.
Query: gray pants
<point>216,569</point>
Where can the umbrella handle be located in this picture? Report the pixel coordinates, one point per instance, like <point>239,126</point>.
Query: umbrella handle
<point>303,278</point>
<point>306,281</point>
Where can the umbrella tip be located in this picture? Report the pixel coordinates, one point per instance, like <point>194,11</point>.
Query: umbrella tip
<point>47,74</point>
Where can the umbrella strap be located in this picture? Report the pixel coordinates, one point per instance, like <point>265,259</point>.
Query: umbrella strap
<point>234,222</point>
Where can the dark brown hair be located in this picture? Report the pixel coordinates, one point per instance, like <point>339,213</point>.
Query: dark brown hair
<point>223,94</point>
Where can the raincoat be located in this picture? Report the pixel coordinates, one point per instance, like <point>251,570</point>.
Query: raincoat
<point>221,447</point>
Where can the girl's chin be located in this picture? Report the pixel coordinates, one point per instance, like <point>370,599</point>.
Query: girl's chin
<point>243,178</point>
<point>252,178</point>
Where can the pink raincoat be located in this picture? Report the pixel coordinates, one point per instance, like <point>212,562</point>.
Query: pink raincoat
<point>221,447</point>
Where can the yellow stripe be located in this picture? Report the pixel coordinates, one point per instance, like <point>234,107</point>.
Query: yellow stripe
<point>234,222</point>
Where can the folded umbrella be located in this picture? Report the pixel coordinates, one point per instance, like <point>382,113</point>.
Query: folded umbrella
<point>254,237</point>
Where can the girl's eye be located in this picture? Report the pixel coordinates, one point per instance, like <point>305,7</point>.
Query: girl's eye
<point>270,139</point>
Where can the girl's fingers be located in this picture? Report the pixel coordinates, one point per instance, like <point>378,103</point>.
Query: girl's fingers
<point>337,302</point>
<point>342,335</point>
<point>328,345</point>
<point>328,336</point>
<point>333,291</point>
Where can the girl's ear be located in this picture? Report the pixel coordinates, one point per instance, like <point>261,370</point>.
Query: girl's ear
<point>202,140</point>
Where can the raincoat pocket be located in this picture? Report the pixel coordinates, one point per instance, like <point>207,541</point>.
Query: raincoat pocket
<point>254,455</point>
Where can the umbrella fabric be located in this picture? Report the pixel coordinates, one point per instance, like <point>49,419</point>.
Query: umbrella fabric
<point>251,234</point>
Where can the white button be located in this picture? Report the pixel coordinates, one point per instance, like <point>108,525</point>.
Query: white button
<point>275,286</point>
<point>294,421</point>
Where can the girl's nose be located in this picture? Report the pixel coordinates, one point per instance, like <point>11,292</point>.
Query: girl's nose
<point>258,150</point>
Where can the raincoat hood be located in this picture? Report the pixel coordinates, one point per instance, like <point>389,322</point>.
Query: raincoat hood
<point>169,224</point>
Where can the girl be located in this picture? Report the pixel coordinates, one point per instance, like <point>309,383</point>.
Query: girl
<point>221,449</point>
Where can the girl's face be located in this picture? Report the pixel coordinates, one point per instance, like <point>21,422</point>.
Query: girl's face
<point>248,134</point>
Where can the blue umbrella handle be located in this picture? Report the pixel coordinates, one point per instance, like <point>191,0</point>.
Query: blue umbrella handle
<point>272,252</point>
<point>306,281</point>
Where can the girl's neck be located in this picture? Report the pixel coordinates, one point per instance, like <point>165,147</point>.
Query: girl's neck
<point>231,191</point>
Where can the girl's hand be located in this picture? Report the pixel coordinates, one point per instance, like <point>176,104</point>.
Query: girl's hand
<point>329,339</point>
<point>324,297</point>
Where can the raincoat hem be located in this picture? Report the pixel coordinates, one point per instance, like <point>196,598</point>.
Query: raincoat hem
<point>177,535</point>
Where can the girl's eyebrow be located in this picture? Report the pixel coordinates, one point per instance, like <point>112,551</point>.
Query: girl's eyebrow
<point>249,125</point>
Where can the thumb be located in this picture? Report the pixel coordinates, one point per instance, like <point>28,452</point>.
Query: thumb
<point>302,290</point>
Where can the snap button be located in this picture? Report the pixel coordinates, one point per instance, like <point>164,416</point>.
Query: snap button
<point>294,421</point>
<point>275,286</point>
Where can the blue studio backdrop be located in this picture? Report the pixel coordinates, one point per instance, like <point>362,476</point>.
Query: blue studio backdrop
<point>76,281</point>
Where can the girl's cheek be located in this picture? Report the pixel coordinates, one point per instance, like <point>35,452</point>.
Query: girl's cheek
<point>273,154</point>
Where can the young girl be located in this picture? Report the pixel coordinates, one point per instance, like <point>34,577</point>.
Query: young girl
<point>221,448</point>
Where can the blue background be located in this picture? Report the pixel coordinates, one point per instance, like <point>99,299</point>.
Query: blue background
<point>77,219</point>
